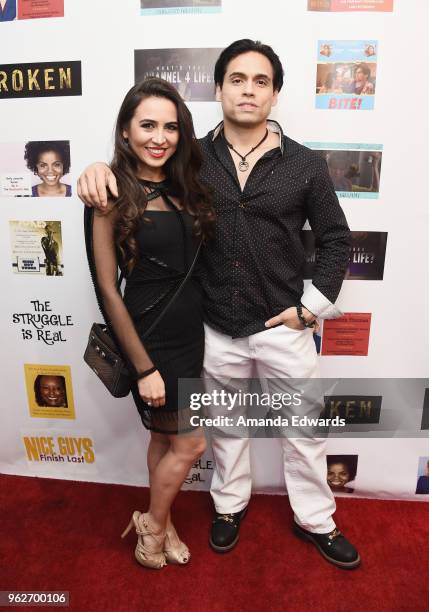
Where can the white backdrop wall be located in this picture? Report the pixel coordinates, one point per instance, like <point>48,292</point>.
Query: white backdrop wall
<point>104,38</point>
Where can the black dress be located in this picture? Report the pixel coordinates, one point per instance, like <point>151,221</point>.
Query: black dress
<point>167,249</point>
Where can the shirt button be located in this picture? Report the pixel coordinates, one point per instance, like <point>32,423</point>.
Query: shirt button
<point>236,263</point>
<point>235,292</point>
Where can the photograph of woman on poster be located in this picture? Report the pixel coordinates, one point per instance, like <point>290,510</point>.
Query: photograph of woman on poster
<point>50,161</point>
<point>341,470</point>
<point>50,391</point>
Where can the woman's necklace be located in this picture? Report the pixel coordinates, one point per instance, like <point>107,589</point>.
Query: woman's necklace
<point>244,165</point>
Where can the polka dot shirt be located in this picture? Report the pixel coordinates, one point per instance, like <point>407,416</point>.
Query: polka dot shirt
<point>253,269</point>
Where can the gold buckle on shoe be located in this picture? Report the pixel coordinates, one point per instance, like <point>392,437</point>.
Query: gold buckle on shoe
<point>228,518</point>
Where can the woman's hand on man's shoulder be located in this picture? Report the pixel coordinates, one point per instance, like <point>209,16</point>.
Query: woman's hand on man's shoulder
<point>94,185</point>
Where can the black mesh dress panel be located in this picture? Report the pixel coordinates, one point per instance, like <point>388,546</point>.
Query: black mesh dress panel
<point>176,346</point>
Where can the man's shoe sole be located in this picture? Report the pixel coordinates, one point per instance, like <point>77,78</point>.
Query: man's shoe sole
<point>343,564</point>
<point>225,549</point>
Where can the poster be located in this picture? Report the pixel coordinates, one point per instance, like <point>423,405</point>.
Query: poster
<point>367,255</point>
<point>58,452</point>
<point>342,471</point>
<point>355,169</point>
<point>354,409</point>
<point>41,80</point>
<point>49,391</point>
<point>346,74</point>
<point>425,413</point>
<point>7,10</point>
<point>191,71</point>
<point>172,7</point>
<point>38,9</point>
<point>422,487</point>
<point>347,335</point>
<point>383,6</point>
<point>36,247</point>
<point>35,169</point>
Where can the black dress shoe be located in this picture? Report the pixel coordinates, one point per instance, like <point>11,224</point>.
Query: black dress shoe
<point>333,546</point>
<point>225,531</point>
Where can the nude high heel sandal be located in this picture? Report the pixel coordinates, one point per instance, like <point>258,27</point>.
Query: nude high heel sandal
<point>148,558</point>
<point>175,554</point>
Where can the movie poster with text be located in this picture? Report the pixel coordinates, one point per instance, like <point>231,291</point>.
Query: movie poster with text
<point>38,169</point>
<point>367,255</point>
<point>58,452</point>
<point>40,9</point>
<point>346,74</point>
<point>382,6</point>
<point>179,7</point>
<point>41,79</point>
<point>348,335</point>
<point>36,247</point>
<point>49,391</point>
<point>189,70</point>
<point>355,169</point>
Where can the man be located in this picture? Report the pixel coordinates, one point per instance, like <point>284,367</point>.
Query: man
<point>265,187</point>
<point>51,249</point>
<point>361,85</point>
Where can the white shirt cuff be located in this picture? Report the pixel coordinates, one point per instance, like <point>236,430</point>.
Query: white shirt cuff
<point>318,304</point>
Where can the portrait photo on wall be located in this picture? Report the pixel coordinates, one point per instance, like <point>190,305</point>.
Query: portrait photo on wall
<point>36,247</point>
<point>38,169</point>
<point>40,9</point>
<point>422,487</point>
<point>367,255</point>
<point>169,7</point>
<point>190,71</point>
<point>346,74</point>
<point>49,391</point>
<point>350,5</point>
<point>342,470</point>
<point>7,10</point>
<point>355,169</point>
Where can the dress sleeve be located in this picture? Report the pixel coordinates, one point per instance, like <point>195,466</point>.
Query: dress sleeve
<point>106,266</point>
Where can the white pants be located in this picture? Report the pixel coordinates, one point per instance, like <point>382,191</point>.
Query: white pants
<point>275,353</point>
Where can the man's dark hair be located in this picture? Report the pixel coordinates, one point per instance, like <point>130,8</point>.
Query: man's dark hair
<point>245,45</point>
<point>365,69</point>
<point>34,149</point>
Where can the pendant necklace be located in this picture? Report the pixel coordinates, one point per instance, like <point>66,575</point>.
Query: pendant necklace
<point>244,165</point>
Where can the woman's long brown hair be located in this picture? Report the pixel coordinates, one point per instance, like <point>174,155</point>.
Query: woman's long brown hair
<point>181,170</point>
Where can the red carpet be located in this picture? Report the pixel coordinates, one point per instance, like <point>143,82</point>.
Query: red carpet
<point>58,534</point>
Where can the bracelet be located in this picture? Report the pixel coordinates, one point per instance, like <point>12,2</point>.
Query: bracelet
<point>147,372</point>
<point>302,318</point>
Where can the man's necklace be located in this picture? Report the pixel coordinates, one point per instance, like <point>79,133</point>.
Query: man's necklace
<point>244,165</point>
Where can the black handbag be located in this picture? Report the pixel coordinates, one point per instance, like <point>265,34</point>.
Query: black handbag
<point>102,353</point>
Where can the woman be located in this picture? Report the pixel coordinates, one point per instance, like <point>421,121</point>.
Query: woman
<point>50,391</point>
<point>49,160</point>
<point>153,230</point>
<point>342,469</point>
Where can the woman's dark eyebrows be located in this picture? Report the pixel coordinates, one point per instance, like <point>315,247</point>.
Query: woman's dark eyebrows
<point>156,122</point>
